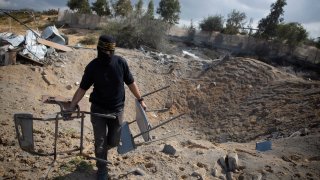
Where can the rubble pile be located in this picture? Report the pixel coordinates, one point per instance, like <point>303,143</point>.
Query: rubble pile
<point>33,47</point>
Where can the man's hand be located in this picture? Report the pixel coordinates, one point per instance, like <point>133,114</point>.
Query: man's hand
<point>143,105</point>
<point>66,114</point>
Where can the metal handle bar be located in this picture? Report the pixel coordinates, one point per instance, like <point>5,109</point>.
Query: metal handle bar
<point>59,116</point>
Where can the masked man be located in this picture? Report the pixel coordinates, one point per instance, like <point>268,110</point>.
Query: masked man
<point>107,73</point>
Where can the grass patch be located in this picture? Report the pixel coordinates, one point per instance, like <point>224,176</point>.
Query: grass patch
<point>76,164</point>
<point>70,31</point>
<point>89,40</point>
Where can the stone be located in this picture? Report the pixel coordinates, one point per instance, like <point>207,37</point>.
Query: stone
<point>199,174</point>
<point>304,131</point>
<point>69,87</point>
<point>257,176</point>
<point>168,149</point>
<point>1,157</point>
<point>215,172</point>
<point>233,161</point>
<point>137,171</point>
<point>254,176</point>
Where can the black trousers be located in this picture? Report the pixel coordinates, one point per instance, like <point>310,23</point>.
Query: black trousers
<point>106,134</point>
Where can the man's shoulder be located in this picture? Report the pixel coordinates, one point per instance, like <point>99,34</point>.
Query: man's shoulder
<point>93,63</point>
<point>119,57</point>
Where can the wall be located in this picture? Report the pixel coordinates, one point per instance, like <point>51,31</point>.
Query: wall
<point>89,21</point>
<point>248,45</point>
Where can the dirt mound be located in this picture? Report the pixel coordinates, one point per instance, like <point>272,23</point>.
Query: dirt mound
<point>240,99</point>
<point>228,99</point>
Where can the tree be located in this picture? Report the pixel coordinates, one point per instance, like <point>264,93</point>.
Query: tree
<point>80,6</point>
<point>169,10</point>
<point>101,7</point>
<point>235,21</point>
<point>73,4</point>
<point>291,33</point>
<point>138,8</point>
<point>267,26</point>
<point>212,23</point>
<point>150,11</point>
<point>123,8</point>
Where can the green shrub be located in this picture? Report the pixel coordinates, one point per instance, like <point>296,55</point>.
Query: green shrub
<point>134,32</point>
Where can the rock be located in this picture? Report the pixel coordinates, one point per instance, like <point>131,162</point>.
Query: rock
<point>304,131</point>
<point>233,161</point>
<point>254,176</point>
<point>33,68</point>
<point>1,157</point>
<point>199,174</point>
<point>47,80</point>
<point>257,176</point>
<point>215,172</point>
<point>137,171</point>
<point>69,87</point>
<point>168,149</point>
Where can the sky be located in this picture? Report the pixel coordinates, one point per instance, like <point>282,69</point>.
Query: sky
<point>304,12</point>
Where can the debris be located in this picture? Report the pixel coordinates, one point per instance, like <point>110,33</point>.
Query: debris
<point>3,57</point>
<point>304,131</point>
<point>25,58</point>
<point>188,55</point>
<point>53,44</point>
<point>263,146</point>
<point>14,40</point>
<point>52,34</point>
<point>33,50</point>
<point>295,134</point>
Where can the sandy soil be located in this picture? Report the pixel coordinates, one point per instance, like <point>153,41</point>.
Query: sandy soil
<point>230,103</point>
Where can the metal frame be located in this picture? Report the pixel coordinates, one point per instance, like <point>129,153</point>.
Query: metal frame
<point>24,131</point>
<point>127,143</point>
<point>24,127</point>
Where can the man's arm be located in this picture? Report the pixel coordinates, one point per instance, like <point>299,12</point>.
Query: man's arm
<point>135,91</point>
<point>78,95</point>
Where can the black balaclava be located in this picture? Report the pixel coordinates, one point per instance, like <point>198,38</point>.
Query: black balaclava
<point>106,43</point>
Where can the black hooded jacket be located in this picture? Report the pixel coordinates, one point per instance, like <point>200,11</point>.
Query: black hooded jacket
<point>108,80</point>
